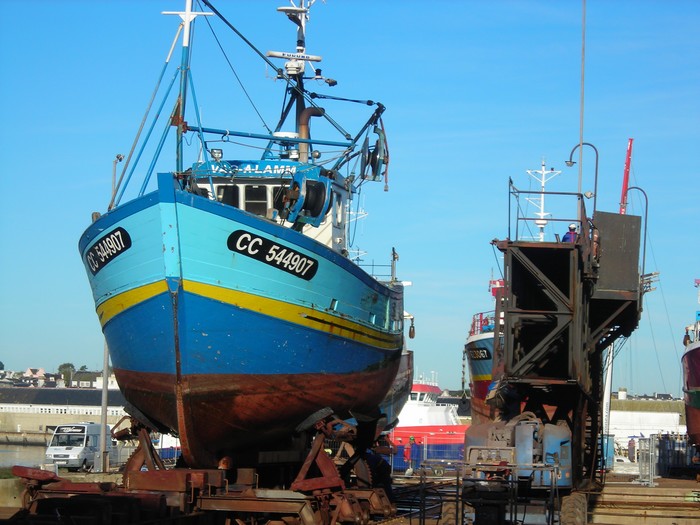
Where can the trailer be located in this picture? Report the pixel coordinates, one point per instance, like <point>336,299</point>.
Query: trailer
<point>321,491</point>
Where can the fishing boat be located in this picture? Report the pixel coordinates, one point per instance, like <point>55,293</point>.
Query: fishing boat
<point>231,305</point>
<point>691,377</point>
<point>478,352</point>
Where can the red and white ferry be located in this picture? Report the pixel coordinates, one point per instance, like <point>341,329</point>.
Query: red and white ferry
<point>426,420</point>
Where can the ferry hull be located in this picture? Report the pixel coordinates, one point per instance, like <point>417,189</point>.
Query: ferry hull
<point>691,388</point>
<point>431,435</point>
<point>218,340</point>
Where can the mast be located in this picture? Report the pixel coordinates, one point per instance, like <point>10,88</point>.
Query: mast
<point>295,67</point>
<point>298,16</point>
<point>626,178</point>
<point>178,118</point>
<point>541,177</point>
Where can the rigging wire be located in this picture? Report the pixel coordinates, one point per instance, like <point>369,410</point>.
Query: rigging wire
<point>235,74</point>
<point>631,369</point>
<point>341,99</point>
<point>351,239</point>
<point>290,82</point>
<point>619,346</point>
<point>522,213</point>
<point>145,117</point>
<point>663,300</point>
<point>527,207</point>
<point>670,329</point>
<point>498,260</point>
<point>656,353</point>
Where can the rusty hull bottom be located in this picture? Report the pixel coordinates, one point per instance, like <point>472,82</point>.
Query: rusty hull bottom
<point>237,415</point>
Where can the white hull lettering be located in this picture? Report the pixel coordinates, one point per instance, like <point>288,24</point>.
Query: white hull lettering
<point>267,169</point>
<point>273,254</point>
<point>107,248</point>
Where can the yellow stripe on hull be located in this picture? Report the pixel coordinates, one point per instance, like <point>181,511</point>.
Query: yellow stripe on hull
<point>126,300</point>
<point>296,314</point>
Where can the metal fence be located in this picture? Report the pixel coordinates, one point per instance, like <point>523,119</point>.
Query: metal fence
<point>675,454</point>
<point>663,455</point>
<point>647,460</point>
<point>420,454</point>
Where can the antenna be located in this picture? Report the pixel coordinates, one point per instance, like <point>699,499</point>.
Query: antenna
<point>542,176</point>
<point>187,17</point>
<point>296,62</point>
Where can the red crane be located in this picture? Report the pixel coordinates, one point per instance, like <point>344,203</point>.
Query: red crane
<point>626,178</point>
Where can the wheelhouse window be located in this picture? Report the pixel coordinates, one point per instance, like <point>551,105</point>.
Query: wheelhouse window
<point>228,194</point>
<point>253,198</point>
<point>256,199</point>
<point>278,195</point>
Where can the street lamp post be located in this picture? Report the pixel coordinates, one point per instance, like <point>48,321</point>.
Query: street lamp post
<point>571,162</point>
<point>646,210</point>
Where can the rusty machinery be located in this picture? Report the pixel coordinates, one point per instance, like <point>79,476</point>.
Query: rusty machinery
<point>562,305</point>
<point>319,494</point>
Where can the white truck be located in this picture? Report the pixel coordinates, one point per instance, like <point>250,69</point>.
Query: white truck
<point>76,446</point>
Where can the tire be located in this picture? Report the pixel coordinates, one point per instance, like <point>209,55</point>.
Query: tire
<point>449,513</point>
<point>574,509</point>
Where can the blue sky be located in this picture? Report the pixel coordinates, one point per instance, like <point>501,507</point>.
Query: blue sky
<point>476,92</point>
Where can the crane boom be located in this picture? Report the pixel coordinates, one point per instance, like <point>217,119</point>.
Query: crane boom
<point>626,178</point>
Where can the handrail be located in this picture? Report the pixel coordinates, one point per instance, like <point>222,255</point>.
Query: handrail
<point>521,219</point>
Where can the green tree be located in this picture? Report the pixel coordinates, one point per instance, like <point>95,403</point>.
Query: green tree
<point>83,368</point>
<point>2,365</point>
<point>66,370</point>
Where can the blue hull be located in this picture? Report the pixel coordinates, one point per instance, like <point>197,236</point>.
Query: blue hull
<point>212,312</point>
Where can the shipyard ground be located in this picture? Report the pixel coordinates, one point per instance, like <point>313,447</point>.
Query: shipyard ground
<point>623,501</point>
<point>437,501</point>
